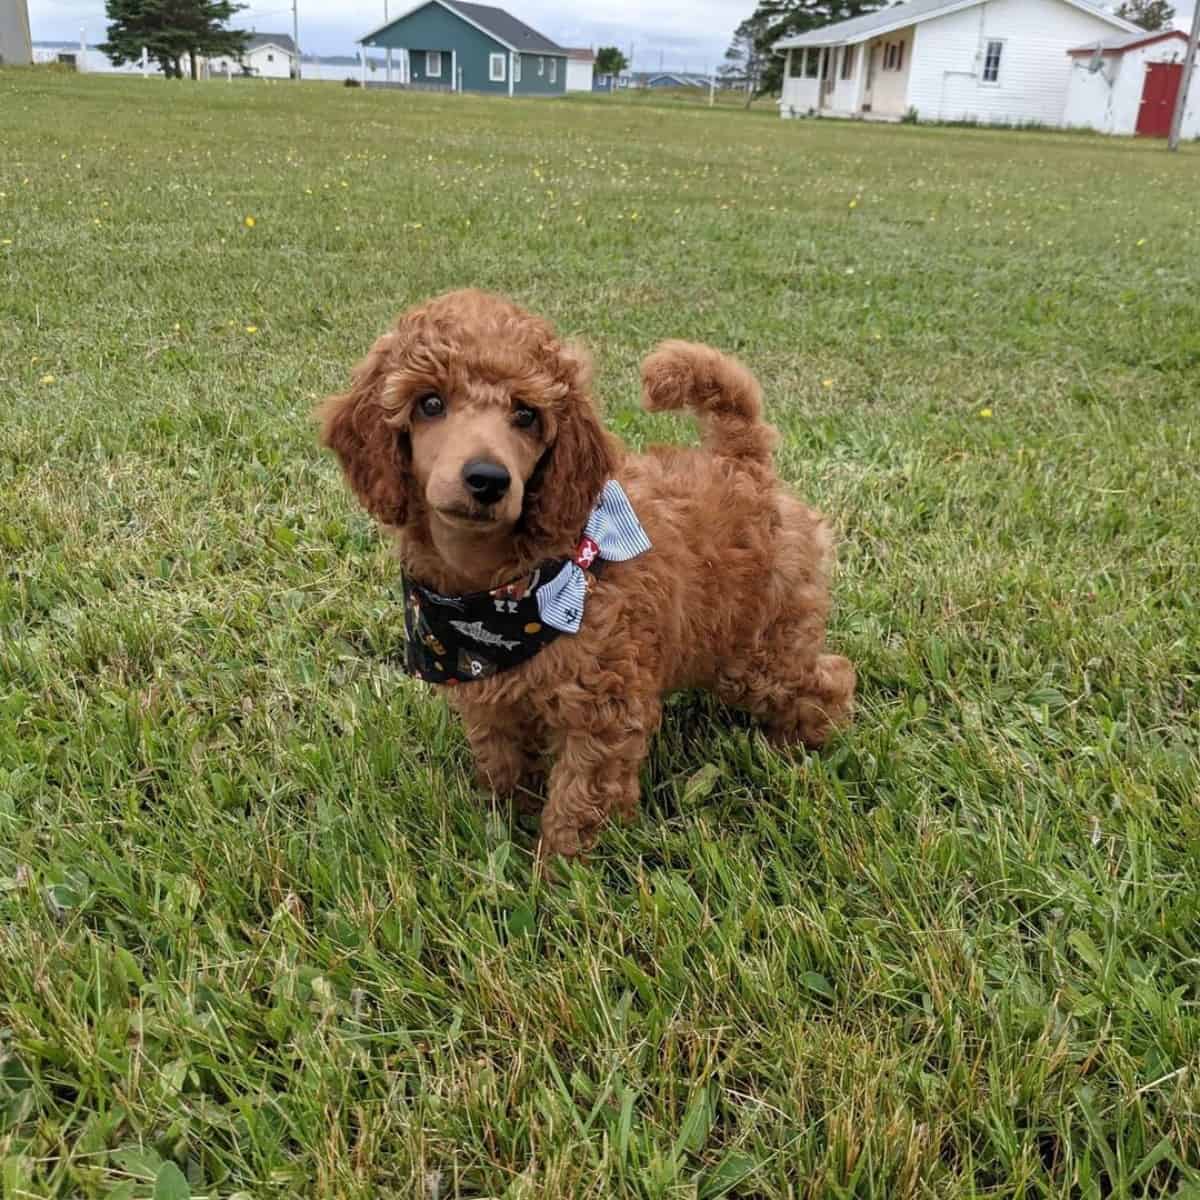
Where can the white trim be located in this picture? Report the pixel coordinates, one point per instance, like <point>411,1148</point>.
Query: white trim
<point>900,21</point>
<point>553,69</point>
<point>511,70</point>
<point>366,37</point>
<point>541,65</point>
<point>430,73</point>
<point>516,68</point>
<point>492,60</point>
<point>454,85</point>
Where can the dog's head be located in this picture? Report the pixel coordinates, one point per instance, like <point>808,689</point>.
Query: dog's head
<point>471,414</point>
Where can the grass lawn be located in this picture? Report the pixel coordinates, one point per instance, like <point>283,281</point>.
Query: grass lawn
<point>253,920</point>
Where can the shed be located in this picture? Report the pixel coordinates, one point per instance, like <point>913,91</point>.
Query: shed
<point>1131,84</point>
<point>453,46</point>
<point>581,64</point>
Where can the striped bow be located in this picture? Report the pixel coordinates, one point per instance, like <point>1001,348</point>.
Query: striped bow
<point>612,533</point>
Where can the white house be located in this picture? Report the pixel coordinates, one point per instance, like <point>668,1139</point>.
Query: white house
<point>993,61</point>
<point>267,56</point>
<point>1131,84</point>
<point>581,63</point>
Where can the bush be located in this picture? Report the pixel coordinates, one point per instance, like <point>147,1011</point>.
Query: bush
<point>350,82</point>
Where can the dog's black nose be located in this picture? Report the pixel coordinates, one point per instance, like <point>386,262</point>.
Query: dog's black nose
<point>486,481</point>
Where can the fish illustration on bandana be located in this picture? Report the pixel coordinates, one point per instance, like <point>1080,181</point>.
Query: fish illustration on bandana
<point>460,639</point>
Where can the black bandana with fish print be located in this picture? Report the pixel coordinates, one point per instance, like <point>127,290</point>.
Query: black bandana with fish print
<point>460,639</point>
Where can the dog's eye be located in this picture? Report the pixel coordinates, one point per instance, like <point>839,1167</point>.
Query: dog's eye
<point>524,417</point>
<point>431,405</point>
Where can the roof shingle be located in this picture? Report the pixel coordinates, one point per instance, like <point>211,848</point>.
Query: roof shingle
<point>506,27</point>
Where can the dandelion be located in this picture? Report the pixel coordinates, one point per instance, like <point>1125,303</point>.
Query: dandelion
<point>1141,241</point>
<point>853,203</point>
<point>827,383</point>
<point>985,413</point>
<point>178,327</point>
<point>5,241</point>
<point>249,222</point>
<point>251,328</point>
<point>46,380</point>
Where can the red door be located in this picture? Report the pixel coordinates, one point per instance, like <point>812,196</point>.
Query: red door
<point>1158,98</point>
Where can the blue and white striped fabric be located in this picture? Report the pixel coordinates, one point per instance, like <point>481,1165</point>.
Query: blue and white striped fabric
<point>618,535</point>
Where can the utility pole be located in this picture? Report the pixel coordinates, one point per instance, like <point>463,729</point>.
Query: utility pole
<point>1185,84</point>
<point>296,36</point>
<point>388,68</point>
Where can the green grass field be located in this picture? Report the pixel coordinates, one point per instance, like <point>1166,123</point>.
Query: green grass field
<point>258,937</point>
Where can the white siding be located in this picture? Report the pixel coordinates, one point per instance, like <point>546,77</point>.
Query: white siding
<point>579,75</point>
<point>1035,72</point>
<point>1110,99</point>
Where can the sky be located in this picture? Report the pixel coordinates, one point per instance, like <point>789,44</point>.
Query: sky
<point>678,34</point>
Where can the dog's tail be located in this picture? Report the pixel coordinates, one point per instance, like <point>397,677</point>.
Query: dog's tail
<point>721,391</point>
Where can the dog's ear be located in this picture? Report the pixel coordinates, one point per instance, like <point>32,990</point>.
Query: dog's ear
<point>577,463</point>
<point>368,439</point>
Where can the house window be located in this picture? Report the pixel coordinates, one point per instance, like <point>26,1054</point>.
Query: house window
<point>541,67</point>
<point>496,68</point>
<point>795,64</point>
<point>893,56</point>
<point>848,62</point>
<point>554,70</point>
<point>991,62</point>
<point>812,64</point>
<point>270,58</point>
<point>433,64</point>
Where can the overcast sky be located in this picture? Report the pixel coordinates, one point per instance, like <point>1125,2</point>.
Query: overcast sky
<point>683,33</point>
<point>678,34</point>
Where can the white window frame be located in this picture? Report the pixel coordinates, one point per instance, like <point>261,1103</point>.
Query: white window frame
<point>497,71</point>
<point>812,63</point>
<point>983,70</point>
<point>516,68</point>
<point>847,71</point>
<point>541,66</point>
<point>554,70</point>
<point>432,56</point>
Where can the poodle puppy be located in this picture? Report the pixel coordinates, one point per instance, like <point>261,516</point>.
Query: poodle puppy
<point>558,587</point>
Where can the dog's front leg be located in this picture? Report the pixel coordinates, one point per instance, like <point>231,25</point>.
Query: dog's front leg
<point>595,773</point>
<point>507,758</point>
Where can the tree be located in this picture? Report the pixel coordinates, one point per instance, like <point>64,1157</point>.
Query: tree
<point>610,61</point>
<point>1151,15</point>
<point>171,30</point>
<point>744,61</point>
<point>775,19</point>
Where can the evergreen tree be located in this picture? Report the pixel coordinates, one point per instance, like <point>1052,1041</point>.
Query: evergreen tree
<point>171,30</point>
<point>1151,15</point>
<point>775,19</point>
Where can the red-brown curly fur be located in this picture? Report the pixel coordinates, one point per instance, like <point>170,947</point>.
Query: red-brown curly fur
<point>733,597</point>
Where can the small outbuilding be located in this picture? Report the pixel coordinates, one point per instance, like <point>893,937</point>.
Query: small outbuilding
<point>1131,85</point>
<point>581,67</point>
<point>453,46</point>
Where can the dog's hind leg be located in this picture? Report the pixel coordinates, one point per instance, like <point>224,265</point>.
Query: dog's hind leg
<point>799,697</point>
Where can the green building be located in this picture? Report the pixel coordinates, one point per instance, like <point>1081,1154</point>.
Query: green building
<point>452,46</point>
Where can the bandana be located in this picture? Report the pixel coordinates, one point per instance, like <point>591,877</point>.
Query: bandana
<point>459,639</point>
